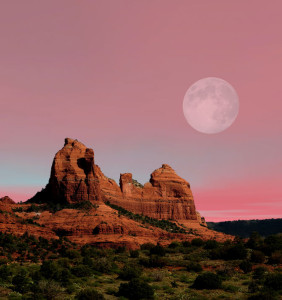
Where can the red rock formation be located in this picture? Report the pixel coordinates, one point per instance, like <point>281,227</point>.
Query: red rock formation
<point>166,196</point>
<point>72,177</point>
<point>101,226</point>
<point>75,178</point>
<point>7,200</point>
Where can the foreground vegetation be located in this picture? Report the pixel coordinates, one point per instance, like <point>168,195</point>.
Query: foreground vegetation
<point>33,268</point>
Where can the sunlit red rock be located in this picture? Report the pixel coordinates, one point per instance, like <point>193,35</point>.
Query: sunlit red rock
<point>75,178</point>
<point>6,200</point>
<point>72,178</point>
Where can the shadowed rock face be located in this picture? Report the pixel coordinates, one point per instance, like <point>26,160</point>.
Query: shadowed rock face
<point>75,178</point>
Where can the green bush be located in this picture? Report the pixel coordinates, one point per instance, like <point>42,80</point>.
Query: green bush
<point>47,289</point>
<point>147,246</point>
<point>237,251</point>
<point>259,273</point>
<point>158,250</point>
<point>197,242</point>
<point>81,271</point>
<point>130,271</point>
<point>274,281</point>
<point>230,288</point>
<point>153,262</point>
<point>174,245</point>
<point>186,244</point>
<point>257,256</point>
<point>255,241</point>
<point>211,244</point>
<point>265,295</point>
<point>225,272</point>
<point>5,272</point>
<point>136,289</point>
<point>194,267</point>
<point>89,294</point>
<point>246,266</point>
<point>272,243</point>
<point>50,270</point>
<point>134,253</point>
<point>275,258</point>
<point>22,282</point>
<point>208,281</point>
<point>103,265</point>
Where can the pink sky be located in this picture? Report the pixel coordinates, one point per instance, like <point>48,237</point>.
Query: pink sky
<point>113,74</point>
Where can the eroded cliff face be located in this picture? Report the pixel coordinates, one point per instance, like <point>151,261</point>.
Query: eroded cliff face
<point>166,196</point>
<point>75,178</point>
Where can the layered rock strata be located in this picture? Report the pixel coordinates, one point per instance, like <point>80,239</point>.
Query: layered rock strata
<point>75,178</point>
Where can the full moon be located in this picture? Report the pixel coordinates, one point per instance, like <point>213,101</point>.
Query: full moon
<point>211,105</point>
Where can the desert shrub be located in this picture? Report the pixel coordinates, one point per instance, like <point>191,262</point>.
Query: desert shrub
<point>15,296</point>
<point>5,272</point>
<point>208,281</point>
<point>103,265</point>
<point>259,273</point>
<point>3,261</point>
<point>225,272</point>
<point>158,275</point>
<point>197,255</point>
<point>197,242</point>
<point>217,253</point>
<point>253,286</point>
<point>65,276</point>
<point>246,266</point>
<point>47,289</point>
<point>158,250</point>
<point>194,267</point>
<point>89,294</point>
<point>174,245</point>
<point>88,261</point>
<point>264,294</point>
<point>272,243</point>
<point>134,253</point>
<point>237,251</point>
<point>153,262</point>
<point>33,208</point>
<point>211,244</point>
<point>70,253</point>
<point>111,291</point>
<point>136,289</point>
<point>22,282</point>
<point>274,281</point>
<point>50,270</point>
<point>81,271</point>
<point>186,244</point>
<point>130,271</point>
<point>147,246</point>
<point>120,249</point>
<point>231,288</point>
<point>255,241</point>
<point>275,258</point>
<point>257,256</point>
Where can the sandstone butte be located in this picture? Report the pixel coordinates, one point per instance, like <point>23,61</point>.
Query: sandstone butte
<point>76,179</point>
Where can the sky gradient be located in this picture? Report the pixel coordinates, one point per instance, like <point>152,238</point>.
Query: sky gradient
<point>113,74</point>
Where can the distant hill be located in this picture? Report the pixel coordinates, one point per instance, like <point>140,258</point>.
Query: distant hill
<point>244,228</point>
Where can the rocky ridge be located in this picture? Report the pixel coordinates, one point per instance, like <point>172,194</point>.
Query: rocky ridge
<point>75,179</point>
